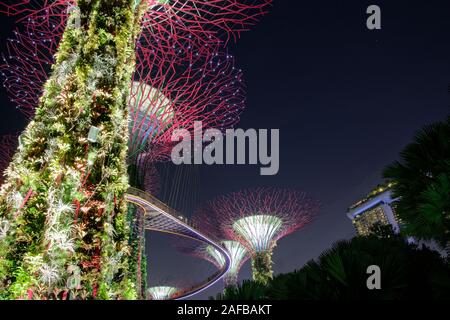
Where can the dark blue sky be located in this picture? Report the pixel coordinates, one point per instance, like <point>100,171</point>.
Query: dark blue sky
<point>346,101</point>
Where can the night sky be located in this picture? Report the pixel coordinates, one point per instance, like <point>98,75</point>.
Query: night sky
<point>346,101</point>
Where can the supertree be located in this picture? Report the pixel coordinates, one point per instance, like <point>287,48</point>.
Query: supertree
<point>238,253</point>
<point>258,218</point>
<point>170,96</point>
<point>162,292</point>
<point>181,28</point>
<point>70,168</point>
<point>167,94</point>
<point>169,90</point>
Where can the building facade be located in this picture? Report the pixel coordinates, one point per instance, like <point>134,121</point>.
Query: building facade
<point>377,208</point>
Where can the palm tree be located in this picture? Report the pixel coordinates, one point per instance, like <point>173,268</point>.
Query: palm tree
<point>340,273</point>
<point>248,290</point>
<point>422,184</point>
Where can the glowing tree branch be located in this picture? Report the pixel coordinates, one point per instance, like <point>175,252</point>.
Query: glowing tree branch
<point>202,251</point>
<point>181,28</point>
<point>170,95</point>
<point>259,218</point>
<point>239,255</point>
<point>183,25</point>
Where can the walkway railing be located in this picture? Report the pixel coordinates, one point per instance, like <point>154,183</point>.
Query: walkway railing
<point>150,204</point>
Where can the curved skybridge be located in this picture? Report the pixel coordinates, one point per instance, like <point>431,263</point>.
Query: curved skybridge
<point>161,218</point>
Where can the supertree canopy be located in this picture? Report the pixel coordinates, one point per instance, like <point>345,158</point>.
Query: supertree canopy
<point>185,29</point>
<point>162,292</point>
<point>202,251</point>
<point>259,218</point>
<point>168,91</point>
<point>183,25</point>
<point>172,95</point>
<point>63,196</point>
<point>239,253</point>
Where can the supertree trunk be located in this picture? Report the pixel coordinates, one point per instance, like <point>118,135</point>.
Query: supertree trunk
<point>230,281</point>
<point>262,267</point>
<point>62,210</point>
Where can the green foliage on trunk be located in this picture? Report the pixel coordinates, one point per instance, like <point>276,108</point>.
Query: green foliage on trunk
<point>137,260</point>
<point>62,205</point>
<point>262,267</point>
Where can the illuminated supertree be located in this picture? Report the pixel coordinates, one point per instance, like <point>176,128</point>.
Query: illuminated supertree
<point>238,253</point>
<point>162,292</point>
<point>166,94</point>
<point>259,218</point>
<point>185,29</point>
<point>170,96</point>
<point>64,190</point>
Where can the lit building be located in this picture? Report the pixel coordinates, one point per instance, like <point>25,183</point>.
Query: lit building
<point>377,208</point>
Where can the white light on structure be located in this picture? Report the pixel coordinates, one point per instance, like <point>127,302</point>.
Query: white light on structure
<point>238,253</point>
<point>258,230</point>
<point>151,101</point>
<point>161,293</point>
<point>216,255</point>
<point>151,113</point>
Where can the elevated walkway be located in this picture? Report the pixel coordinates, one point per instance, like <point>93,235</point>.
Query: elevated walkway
<point>159,217</point>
